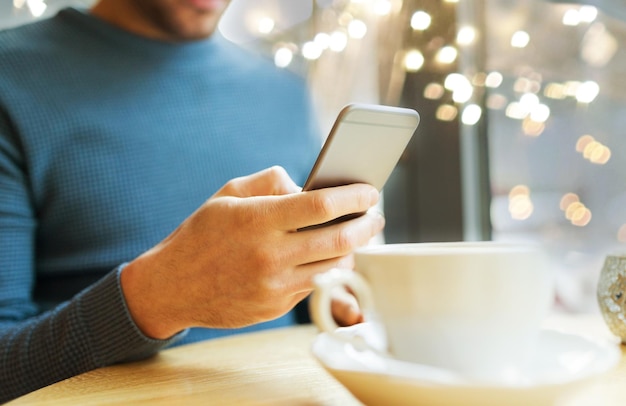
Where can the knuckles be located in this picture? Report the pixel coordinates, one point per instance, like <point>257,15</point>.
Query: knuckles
<point>271,272</point>
<point>232,187</point>
<point>323,205</point>
<point>345,240</point>
<point>263,260</point>
<point>277,173</point>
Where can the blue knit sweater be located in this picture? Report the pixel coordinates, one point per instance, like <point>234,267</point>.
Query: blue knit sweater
<point>107,142</point>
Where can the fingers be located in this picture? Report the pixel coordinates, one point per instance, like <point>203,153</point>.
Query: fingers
<point>299,210</point>
<point>302,277</point>
<point>314,207</point>
<point>319,250</point>
<point>336,240</point>
<point>345,308</point>
<point>270,181</point>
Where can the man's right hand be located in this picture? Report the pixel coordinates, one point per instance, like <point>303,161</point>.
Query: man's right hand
<point>238,260</point>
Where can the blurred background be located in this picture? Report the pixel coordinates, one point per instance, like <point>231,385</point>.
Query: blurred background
<point>522,102</point>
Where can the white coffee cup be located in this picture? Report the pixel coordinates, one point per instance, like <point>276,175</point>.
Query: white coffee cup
<point>475,308</point>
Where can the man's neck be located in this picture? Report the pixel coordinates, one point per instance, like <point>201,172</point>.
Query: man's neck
<point>126,15</point>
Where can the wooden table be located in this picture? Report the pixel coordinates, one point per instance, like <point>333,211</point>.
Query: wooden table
<point>266,368</point>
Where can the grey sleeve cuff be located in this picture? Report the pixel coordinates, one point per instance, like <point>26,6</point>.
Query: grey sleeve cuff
<point>115,336</point>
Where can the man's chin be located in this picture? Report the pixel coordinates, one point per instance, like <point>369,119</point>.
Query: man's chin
<point>212,6</point>
<point>190,28</point>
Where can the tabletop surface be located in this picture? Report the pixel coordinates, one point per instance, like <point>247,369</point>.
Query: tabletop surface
<point>266,368</point>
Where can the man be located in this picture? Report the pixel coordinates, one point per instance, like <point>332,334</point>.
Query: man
<point>116,125</point>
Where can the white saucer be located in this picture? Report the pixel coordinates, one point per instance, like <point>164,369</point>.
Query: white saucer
<point>563,362</point>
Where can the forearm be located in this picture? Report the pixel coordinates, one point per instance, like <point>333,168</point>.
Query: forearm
<point>92,330</point>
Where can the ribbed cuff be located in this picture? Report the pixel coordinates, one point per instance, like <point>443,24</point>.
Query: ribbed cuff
<point>115,336</point>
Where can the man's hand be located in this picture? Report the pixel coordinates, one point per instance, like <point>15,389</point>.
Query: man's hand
<point>238,259</point>
<point>345,308</point>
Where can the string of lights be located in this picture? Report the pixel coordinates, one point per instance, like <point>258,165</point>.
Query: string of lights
<point>536,76</point>
<point>531,106</point>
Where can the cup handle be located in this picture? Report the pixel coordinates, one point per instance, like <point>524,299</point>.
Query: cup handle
<point>320,305</point>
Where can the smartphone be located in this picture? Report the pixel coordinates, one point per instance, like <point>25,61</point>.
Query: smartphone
<point>364,146</point>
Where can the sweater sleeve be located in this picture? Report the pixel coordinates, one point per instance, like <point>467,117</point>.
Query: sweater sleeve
<point>91,330</point>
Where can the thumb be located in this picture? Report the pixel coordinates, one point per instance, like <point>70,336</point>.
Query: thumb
<point>270,181</point>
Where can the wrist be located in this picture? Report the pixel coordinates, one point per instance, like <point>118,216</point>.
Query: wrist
<point>145,302</point>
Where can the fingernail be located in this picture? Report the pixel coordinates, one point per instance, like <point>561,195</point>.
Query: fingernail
<point>380,217</point>
<point>382,220</point>
<point>374,197</point>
